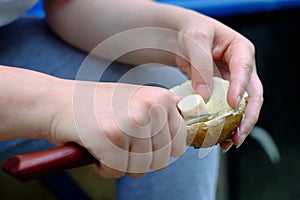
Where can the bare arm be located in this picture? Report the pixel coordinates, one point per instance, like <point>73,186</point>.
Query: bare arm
<point>85,25</point>
<point>25,103</point>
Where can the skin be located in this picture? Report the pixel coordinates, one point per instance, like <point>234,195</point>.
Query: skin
<point>147,126</point>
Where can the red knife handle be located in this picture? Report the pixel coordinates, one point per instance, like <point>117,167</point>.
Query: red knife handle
<point>30,166</point>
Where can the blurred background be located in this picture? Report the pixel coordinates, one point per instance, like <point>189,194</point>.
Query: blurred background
<point>248,172</point>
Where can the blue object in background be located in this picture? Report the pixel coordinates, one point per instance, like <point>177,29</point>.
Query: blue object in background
<point>220,8</point>
<point>37,10</point>
<point>214,8</point>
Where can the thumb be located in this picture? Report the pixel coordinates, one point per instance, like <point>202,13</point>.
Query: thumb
<point>198,47</point>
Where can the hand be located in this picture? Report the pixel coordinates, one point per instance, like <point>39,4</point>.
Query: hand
<point>208,47</point>
<point>130,128</point>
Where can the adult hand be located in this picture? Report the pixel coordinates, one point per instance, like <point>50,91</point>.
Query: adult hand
<point>206,48</point>
<point>132,129</point>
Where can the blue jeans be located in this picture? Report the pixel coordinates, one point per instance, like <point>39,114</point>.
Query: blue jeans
<point>29,43</point>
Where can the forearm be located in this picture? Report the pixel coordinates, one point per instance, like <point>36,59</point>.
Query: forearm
<point>87,24</point>
<point>25,108</point>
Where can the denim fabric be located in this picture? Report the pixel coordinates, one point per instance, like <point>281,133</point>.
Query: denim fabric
<point>29,43</point>
<point>187,178</point>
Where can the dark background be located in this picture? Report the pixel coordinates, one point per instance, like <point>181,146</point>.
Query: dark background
<point>251,174</point>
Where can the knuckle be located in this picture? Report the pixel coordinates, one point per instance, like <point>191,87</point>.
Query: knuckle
<point>247,67</point>
<point>117,138</point>
<point>251,47</point>
<point>248,44</point>
<point>163,92</point>
<point>137,119</point>
<point>160,96</point>
<point>197,33</point>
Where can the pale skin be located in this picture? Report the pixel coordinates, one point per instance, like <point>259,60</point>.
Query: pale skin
<point>85,25</point>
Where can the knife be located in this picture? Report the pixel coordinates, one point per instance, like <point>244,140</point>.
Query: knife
<point>26,167</point>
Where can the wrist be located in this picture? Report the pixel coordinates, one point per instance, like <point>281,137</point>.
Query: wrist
<point>25,105</point>
<point>58,106</point>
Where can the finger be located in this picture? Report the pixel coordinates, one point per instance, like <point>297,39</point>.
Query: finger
<point>112,150</point>
<point>107,172</point>
<point>161,146</point>
<point>226,145</point>
<point>136,175</point>
<point>198,46</point>
<point>140,156</point>
<point>183,65</point>
<point>241,60</point>
<point>255,101</point>
<point>178,133</point>
<point>181,58</point>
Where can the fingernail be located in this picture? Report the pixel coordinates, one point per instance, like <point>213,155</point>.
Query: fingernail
<point>238,131</point>
<point>243,117</point>
<point>238,101</point>
<point>203,90</point>
<point>228,147</point>
<point>241,141</point>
